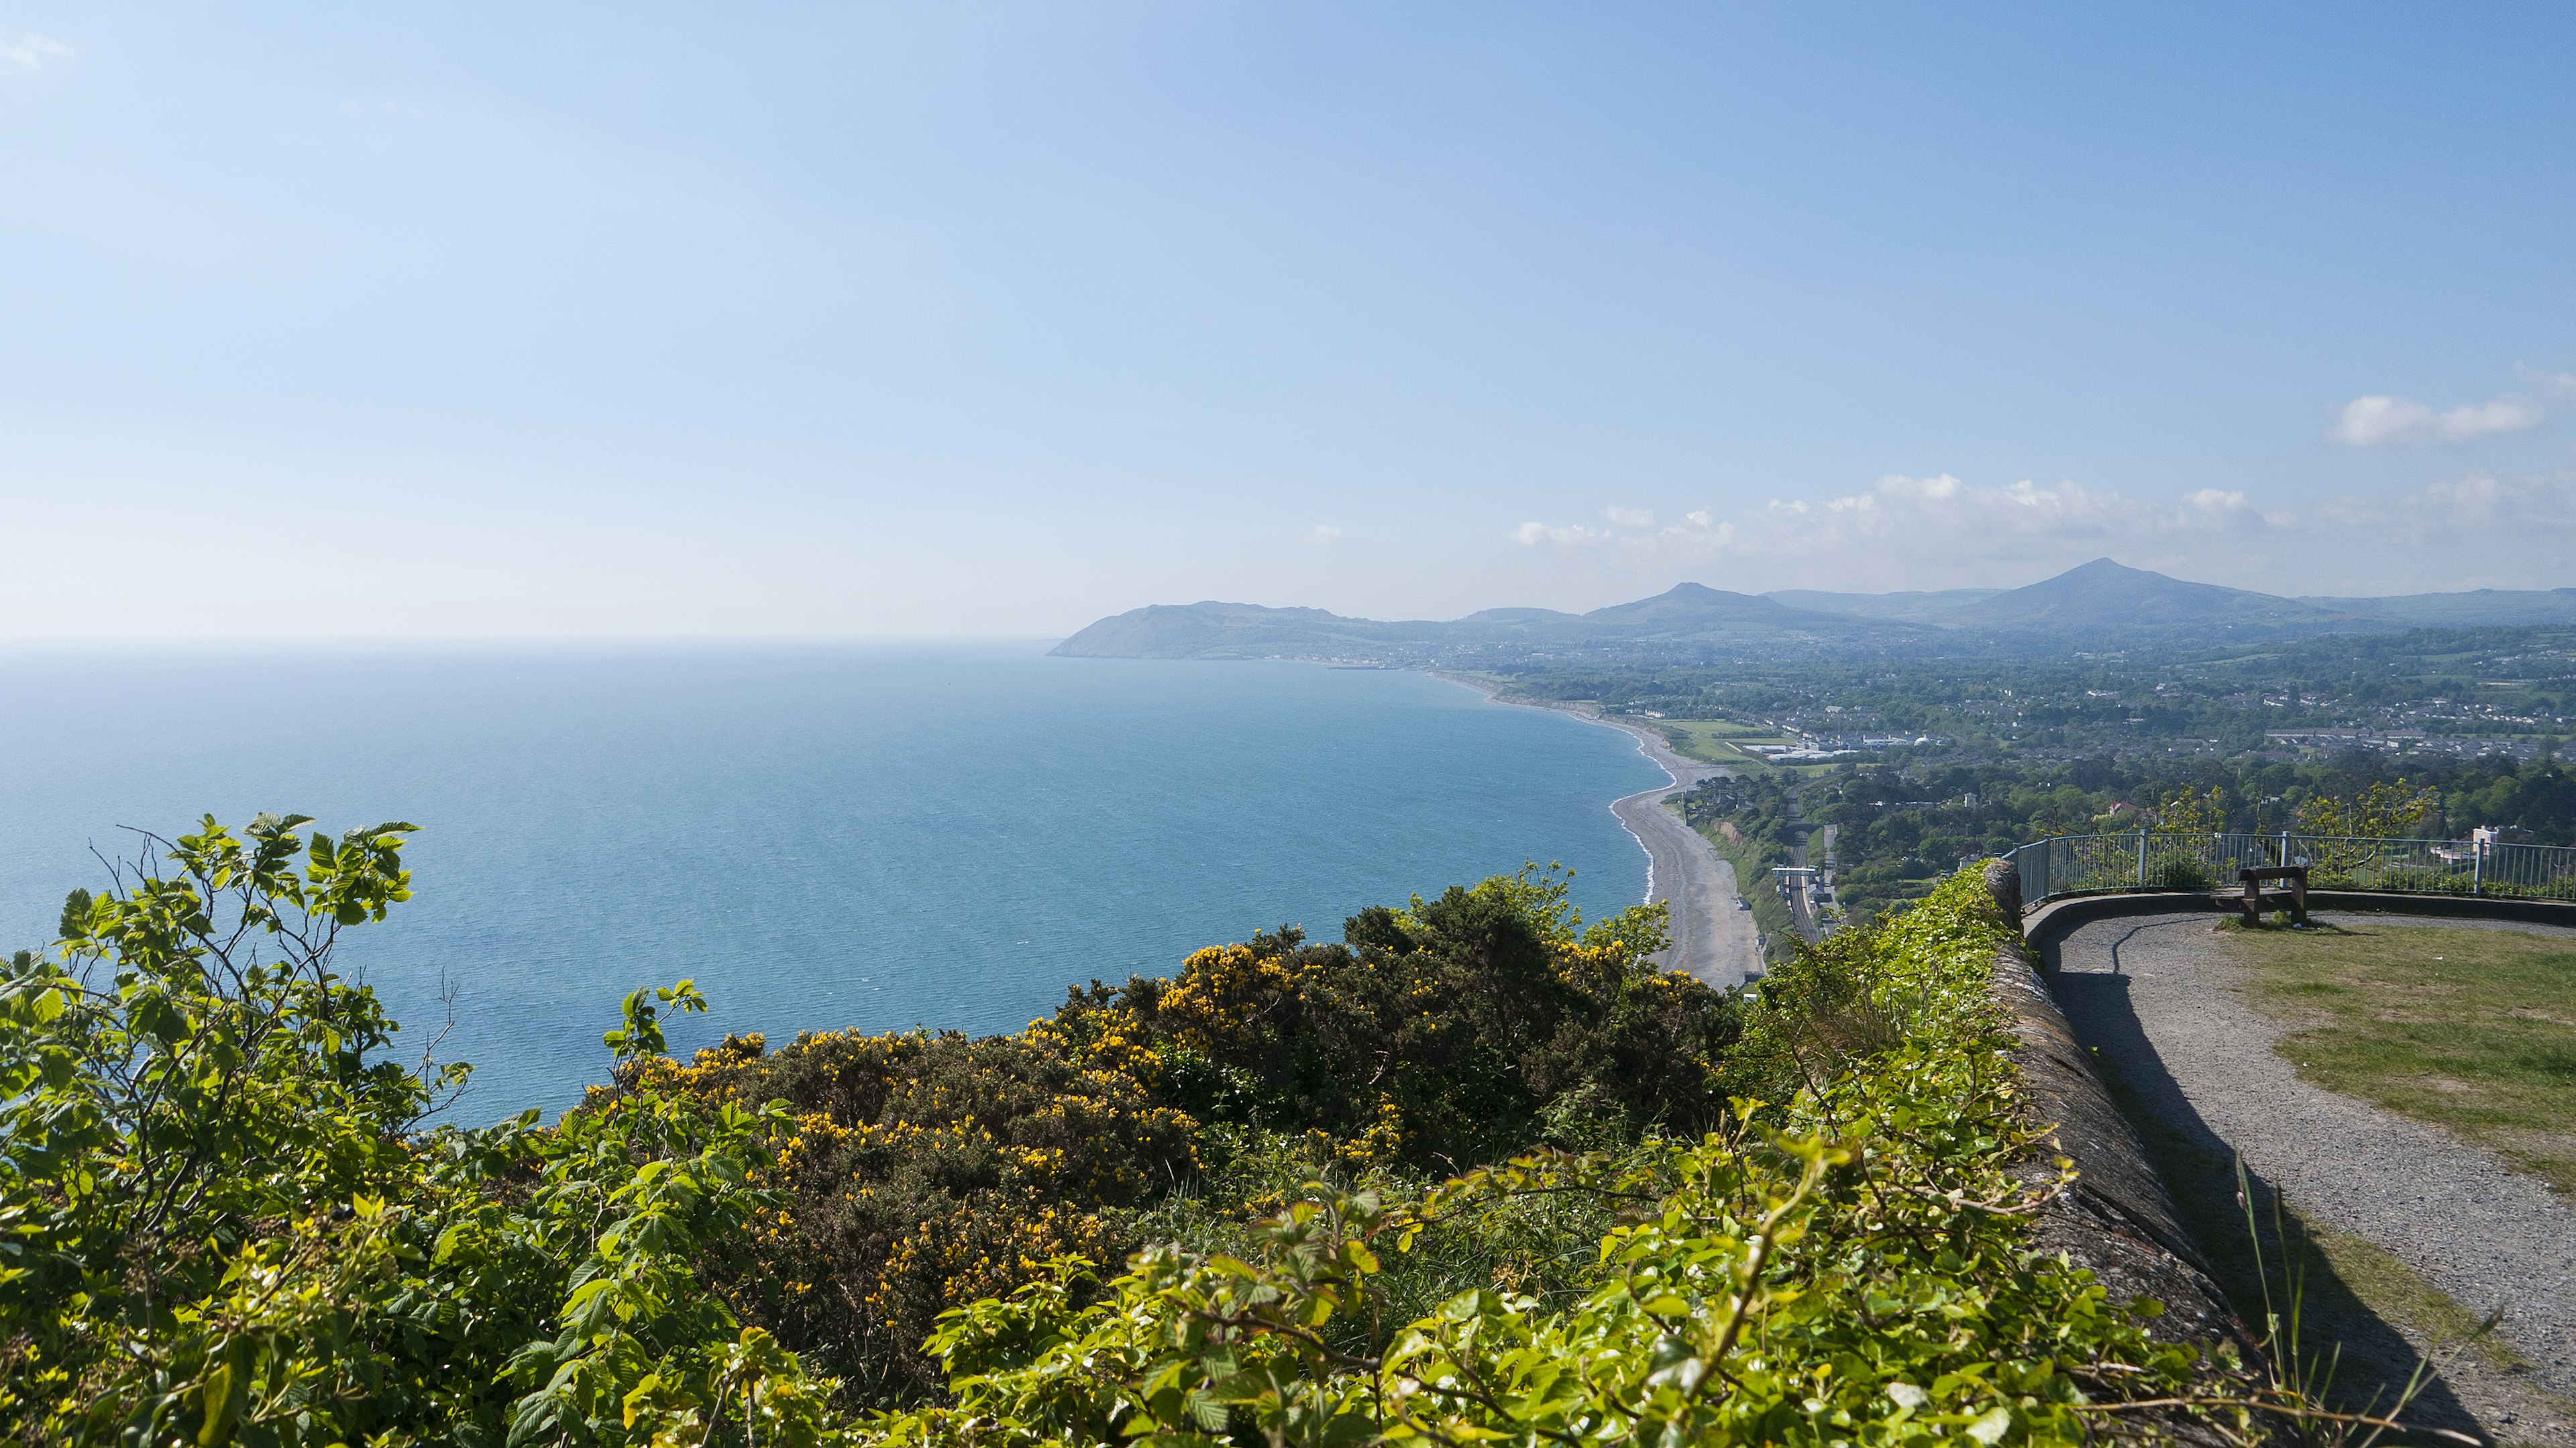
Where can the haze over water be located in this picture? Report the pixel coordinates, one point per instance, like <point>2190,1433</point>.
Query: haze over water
<point>872,836</point>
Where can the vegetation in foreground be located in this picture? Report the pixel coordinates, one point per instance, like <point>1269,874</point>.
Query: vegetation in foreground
<point>2472,1030</point>
<point>225,1220</point>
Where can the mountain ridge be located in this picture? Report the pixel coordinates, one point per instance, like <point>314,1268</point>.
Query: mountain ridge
<point>2102,597</point>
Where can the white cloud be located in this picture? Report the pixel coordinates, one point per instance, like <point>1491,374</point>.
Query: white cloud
<point>2465,507</point>
<point>1938,528</point>
<point>25,50</point>
<point>2472,529</point>
<point>2383,421</point>
<point>1530,535</point>
<point>1630,517</point>
<point>1699,528</point>
<point>1941,512</point>
<point>1323,533</point>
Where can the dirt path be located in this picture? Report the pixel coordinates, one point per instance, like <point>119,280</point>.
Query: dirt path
<point>2159,1003</point>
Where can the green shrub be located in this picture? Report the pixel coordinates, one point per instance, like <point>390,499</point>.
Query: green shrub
<point>928,1171</point>
<point>2179,873</point>
<point>225,1224</point>
<point>1850,1265</point>
<point>222,1223</point>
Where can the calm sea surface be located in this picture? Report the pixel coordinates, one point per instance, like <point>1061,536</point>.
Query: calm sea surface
<point>879,837</point>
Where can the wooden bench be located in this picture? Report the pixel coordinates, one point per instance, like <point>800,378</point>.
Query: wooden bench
<point>2259,901</point>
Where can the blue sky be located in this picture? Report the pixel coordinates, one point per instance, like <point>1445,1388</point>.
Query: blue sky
<point>989,319</point>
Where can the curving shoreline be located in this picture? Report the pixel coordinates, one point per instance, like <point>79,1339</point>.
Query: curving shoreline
<point>1711,939</point>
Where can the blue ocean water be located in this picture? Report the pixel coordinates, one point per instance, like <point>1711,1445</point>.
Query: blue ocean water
<point>880,836</point>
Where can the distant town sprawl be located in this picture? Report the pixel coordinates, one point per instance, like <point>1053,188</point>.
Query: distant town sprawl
<point>1877,741</point>
<point>1920,760</point>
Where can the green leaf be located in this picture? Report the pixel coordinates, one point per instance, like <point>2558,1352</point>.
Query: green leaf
<point>215,1400</point>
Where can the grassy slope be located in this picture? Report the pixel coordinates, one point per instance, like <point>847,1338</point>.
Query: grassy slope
<point>1753,881</point>
<point>2472,1030</point>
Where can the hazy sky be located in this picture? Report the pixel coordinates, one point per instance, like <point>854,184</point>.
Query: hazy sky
<point>410,318</point>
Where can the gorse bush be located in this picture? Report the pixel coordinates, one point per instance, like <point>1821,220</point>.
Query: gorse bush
<point>2177,873</point>
<point>927,1171</point>
<point>1851,1266</point>
<point>223,1221</point>
<point>1254,1203</point>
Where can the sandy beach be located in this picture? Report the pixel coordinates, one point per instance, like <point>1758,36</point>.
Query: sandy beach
<point>1711,939</point>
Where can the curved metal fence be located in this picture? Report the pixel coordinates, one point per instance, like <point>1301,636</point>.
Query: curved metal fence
<point>2151,860</point>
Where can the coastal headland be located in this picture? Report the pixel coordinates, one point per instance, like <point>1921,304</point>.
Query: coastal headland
<point>1711,939</point>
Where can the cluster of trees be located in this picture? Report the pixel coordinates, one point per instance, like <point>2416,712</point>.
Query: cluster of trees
<point>2539,796</point>
<point>2043,697</point>
<point>1899,827</point>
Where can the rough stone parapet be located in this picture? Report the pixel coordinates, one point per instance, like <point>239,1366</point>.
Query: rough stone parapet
<point>2117,1219</point>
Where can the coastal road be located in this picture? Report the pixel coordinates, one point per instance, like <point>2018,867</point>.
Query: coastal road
<point>1711,939</point>
<point>1833,893</point>
<point>1802,914</point>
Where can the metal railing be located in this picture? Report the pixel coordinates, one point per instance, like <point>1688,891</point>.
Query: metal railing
<point>2149,860</point>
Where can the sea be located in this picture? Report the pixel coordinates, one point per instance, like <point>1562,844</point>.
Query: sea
<point>880,836</point>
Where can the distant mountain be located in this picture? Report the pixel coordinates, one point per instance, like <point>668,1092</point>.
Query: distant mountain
<point>1693,620</point>
<point>2104,595</point>
<point>1689,610</point>
<point>1903,607</point>
<point>1690,614</point>
<point>1516,615</point>
<point>1231,631</point>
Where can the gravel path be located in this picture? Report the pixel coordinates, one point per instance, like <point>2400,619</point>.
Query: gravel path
<point>2157,1000</point>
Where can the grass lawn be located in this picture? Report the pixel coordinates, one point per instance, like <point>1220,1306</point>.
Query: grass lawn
<point>1715,739</point>
<point>2473,1030</point>
<point>1728,729</point>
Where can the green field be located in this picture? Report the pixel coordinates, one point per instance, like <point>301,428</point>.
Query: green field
<point>1715,739</point>
<point>2471,1030</point>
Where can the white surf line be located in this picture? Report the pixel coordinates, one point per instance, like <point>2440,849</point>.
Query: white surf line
<point>1632,829</point>
<point>1642,740</point>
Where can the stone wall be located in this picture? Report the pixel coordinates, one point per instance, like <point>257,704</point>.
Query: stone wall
<point>2117,1219</point>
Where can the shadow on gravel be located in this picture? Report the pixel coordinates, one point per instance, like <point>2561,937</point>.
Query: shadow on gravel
<point>2199,1170</point>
